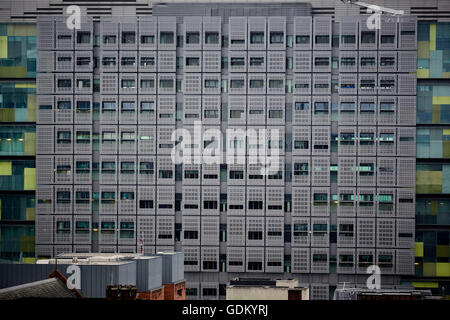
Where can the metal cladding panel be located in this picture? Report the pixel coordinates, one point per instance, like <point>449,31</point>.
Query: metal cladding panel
<point>172,266</point>
<point>17,274</point>
<point>148,273</point>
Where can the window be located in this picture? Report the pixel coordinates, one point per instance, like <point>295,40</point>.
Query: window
<point>256,84</point>
<point>127,137</point>
<point>64,137</point>
<point>146,168</point>
<point>322,39</point>
<point>237,41</point>
<point>84,83</point>
<point>109,61</point>
<point>320,199</point>
<point>63,169</point>
<point>147,61</point>
<point>366,169</point>
<point>347,107</point>
<point>211,37</point>
<point>236,174</point>
<point>127,196</point>
<point>302,39</point>
<point>127,230</point>
<point>108,106</point>
<point>190,234</point>
<point>63,227</point>
<point>321,85</point>
<point>387,39</point>
<point>192,61</point>
<point>275,114</point>
<point>367,84</point>
<point>368,37</point>
<point>348,39</point>
<point>83,61</point>
<point>235,114</point>
<point>276,84</point>
<point>347,61</point>
<point>237,61</point>
<point>108,227</point>
<point>83,137</point>
<point>345,260</point>
<point>128,37</point>
<point>367,61</point>
<point>146,204</point>
<point>257,37</point>
<point>147,83</point>
<point>302,85</point>
<point>255,235</point>
<point>387,83</point>
<point>82,167</point>
<point>301,169</point>
<point>321,108</point>
<point>108,167</point>
<point>387,107</point>
<point>166,83</point>
<point>192,37</point>
<point>322,61</point>
<point>301,144</point>
<point>63,197</point>
<point>64,105</point>
<point>387,61</point>
<point>108,136</point>
<point>210,114</point>
<point>83,107</point>
<point>128,83</point>
<point>166,38</point>
<point>82,227</point>
<point>365,199</point>
<point>256,61</point>
<point>276,37</point>
<point>127,167</point>
<point>165,174</point>
<point>83,37</point>
<point>367,107</point>
<point>109,39</point>
<point>128,61</point>
<point>210,204</point>
<point>147,106</point>
<point>148,39</point>
<point>128,107</point>
<point>386,138</point>
<point>211,84</point>
<point>236,83</point>
<point>366,138</point>
<point>64,83</point>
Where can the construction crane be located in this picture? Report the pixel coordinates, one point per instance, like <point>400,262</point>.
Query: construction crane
<point>372,8</point>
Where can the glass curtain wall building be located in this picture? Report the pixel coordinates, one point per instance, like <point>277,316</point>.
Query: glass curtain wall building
<point>17,141</point>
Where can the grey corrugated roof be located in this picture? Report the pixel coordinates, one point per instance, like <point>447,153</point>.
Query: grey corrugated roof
<point>48,288</point>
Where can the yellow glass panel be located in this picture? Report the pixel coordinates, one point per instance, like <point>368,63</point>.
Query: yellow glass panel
<point>429,181</point>
<point>446,132</point>
<point>30,143</point>
<point>436,113</point>
<point>3,47</point>
<point>5,168</point>
<point>13,72</point>
<point>29,179</point>
<point>423,73</point>
<point>446,75</point>
<point>30,214</point>
<point>434,207</point>
<point>419,249</point>
<point>0,209</point>
<point>425,284</point>
<point>442,269</point>
<point>31,107</point>
<point>429,269</point>
<point>423,49</point>
<point>442,251</point>
<point>433,36</point>
<point>441,100</point>
<point>27,243</point>
<point>7,114</point>
<point>28,260</point>
<point>446,149</point>
<point>21,30</point>
<point>25,85</point>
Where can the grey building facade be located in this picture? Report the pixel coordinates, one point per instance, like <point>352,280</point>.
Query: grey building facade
<point>111,94</point>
